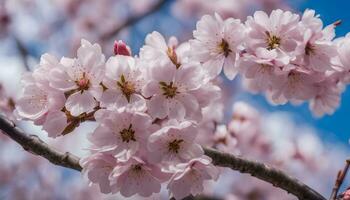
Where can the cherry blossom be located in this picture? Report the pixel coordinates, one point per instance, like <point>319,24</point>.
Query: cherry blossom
<point>317,49</point>
<point>122,133</point>
<point>189,177</point>
<point>157,50</point>
<point>97,168</point>
<point>136,177</point>
<point>80,78</point>
<point>36,102</point>
<point>123,81</point>
<point>172,91</point>
<point>216,44</point>
<point>278,32</point>
<point>120,48</point>
<point>174,143</point>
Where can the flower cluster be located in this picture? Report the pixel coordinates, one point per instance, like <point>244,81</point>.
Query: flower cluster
<point>151,109</point>
<point>287,57</point>
<point>147,109</point>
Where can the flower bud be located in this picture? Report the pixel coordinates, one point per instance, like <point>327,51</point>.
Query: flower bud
<point>120,48</point>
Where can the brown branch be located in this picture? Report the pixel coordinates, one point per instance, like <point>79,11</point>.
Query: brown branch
<point>261,171</point>
<point>133,20</point>
<point>339,180</point>
<point>23,52</point>
<point>264,172</point>
<point>35,145</point>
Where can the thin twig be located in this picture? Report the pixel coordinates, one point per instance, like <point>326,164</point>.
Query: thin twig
<point>259,170</point>
<point>339,180</point>
<point>24,54</point>
<point>133,20</point>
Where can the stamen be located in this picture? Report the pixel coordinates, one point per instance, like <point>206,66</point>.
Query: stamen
<point>83,83</point>
<point>169,91</point>
<point>272,41</point>
<point>225,48</point>
<point>128,134</point>
<point>126,87</point>
<point>174,146</point>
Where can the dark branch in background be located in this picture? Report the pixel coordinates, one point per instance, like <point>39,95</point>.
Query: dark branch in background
<point>261,171</point>
<point>264,172</point>
<point>36,146</point>
<point>133,20</point>
<point>339,181</point>
<point>24,54</point>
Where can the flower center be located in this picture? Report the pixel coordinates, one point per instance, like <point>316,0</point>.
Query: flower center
<point>225,47</point>
<point>137,167</point>
<point>309,49</point>
<point>128,134</point>
<point>83,83</point>
<point>137,170</point>
<point>272,41</point>
<point>174,145</point>
<point>126,87</point>
<point>169,90</point>
<point>173,57</point>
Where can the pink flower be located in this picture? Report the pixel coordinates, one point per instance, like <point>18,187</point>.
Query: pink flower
<point>35,102</point>
<point>327,98</point>
<point>122,133</point>
<point>298,85</point>
<point>278,32</point>
<point>317,49</point>
<point>40,74</point>
<point>80,78</point>
<point>216,44</point>
<point>136,177</point>
<point>258,72</point>
<point>124,81</point>
<point>171,91</point>
<point>156,50</point>
<point>343,45</point>
<point>97,168</point>
<point>189,177</point>
<point>55,123</point>
<point>174,143</point>
<point>120,48</point>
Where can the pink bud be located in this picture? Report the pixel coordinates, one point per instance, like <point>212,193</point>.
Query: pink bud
<point>120,48</point>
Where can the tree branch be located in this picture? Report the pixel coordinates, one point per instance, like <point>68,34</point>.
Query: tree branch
<point>133,20</point>
<point>35,145</point>
<point>261,171</point>
<point>339,180</point>
<point>24,54</point>
<point>264,172</point>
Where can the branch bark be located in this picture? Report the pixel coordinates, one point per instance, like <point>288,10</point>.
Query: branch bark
<point>261,171</point>
<point>36,146</point>
<point>339,180</point>
<point>133,20</point>
<point>264,172</point>
<point>24,54</point>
